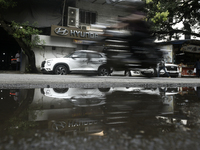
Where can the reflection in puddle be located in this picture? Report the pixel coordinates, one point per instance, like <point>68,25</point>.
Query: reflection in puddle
<point>74,111</point>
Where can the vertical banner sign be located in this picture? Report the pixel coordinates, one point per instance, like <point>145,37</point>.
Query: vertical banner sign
<point>167,53</point>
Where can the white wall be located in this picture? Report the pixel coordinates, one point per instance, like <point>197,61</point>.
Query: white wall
<point>105,12</point>
<point>57,41</point>
<point>63,46</point>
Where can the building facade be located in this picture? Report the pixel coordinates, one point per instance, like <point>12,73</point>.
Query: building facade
<point>67,25</point>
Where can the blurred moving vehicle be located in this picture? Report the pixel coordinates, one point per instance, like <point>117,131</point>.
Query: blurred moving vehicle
<point>131,49</point>
<point>122,56</point>
<point>82,61</point>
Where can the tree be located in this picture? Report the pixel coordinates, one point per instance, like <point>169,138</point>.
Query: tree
<point>167,14</point>
<point>22,34</point>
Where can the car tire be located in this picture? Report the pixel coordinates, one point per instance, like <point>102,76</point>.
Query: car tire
<point>60,90</point>
<point>61,70</point>
<point>152,74</point>
<point>127,73</point>
<point>104,90</point>
<point>103,71</point>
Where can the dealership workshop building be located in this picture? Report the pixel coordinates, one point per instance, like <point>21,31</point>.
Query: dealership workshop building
<point>66,24</point>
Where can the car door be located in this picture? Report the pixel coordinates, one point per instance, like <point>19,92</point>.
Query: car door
<point>94,61</point>
<point>78,61</point>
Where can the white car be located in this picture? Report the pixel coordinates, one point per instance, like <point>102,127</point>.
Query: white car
<point>79,61</point>
<point>172,69</point>
<point>141,72</point>
<point>81,97</point>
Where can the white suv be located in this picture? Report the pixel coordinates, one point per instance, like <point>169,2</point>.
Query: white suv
<point>79,61</point>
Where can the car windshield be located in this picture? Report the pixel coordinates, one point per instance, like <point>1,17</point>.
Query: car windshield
<point>68,55</point>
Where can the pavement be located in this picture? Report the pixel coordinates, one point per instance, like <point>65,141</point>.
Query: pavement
<point>10,72</point>
<point>16,79</point>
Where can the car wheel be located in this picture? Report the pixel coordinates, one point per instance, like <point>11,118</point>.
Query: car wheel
<point>151,74</point>
<point>103,71</point>
<point>61,70</point>
<point>104,89</point>
<point>127,73</point>
<point>60,90</point>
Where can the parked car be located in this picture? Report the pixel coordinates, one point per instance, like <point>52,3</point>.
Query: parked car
<point>150,72</point>
<point>172,69</point>
<point>79,61</point>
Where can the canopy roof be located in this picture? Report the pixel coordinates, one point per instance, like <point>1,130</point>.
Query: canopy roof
<point>180,42</point>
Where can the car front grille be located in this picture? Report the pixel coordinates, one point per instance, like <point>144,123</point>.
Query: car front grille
<point>171,68</point>
<point>43,63</point>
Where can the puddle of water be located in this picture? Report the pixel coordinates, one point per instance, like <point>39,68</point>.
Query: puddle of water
<point>106,112</point>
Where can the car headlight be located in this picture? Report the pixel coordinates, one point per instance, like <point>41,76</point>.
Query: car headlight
<point>49,62</point>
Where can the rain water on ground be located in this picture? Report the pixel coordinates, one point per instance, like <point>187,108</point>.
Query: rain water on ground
<point>100,118</point>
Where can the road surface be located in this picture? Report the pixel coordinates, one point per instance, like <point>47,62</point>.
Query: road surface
<point>9,81</point>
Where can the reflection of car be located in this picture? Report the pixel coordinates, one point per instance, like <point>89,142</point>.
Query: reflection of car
<point>78,61</point>
<point>78,96</point>
<point>84,97</point>
<point>69,93</point>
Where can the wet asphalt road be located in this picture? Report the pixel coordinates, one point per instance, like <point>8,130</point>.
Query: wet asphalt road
<point>16,80</point>
<point>116,139</point>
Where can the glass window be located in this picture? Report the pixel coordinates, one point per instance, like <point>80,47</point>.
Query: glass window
<point>82,16</point>
<point>80,54</point>
<point>94,55</point>
<point>87,17</point>
<point>93,18</point>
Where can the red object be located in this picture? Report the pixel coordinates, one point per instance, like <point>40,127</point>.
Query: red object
<point>12,94</point>
<point>14,59</point>
<point>188,71</point>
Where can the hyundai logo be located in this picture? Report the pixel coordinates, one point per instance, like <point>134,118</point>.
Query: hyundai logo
<point>61,31</point>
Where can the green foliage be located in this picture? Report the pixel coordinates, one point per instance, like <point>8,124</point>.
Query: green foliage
<point>20,123</point>
<point>149,1</point>
<point>4,4</point>
<point>160,17</point>
<point>165,14</point>
<point>25,31</point>
<point>26,35</point>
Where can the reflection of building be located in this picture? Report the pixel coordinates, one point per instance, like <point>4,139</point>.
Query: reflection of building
<point>65,24</point>
<point>138,109</point>
<point>13,102</point>
<point>61,114</point>
<point>123,107</point>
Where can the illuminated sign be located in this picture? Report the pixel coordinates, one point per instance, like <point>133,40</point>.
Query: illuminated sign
<point>72,33</point>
